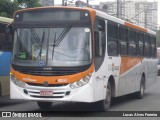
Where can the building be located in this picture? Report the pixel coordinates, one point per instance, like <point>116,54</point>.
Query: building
<point>146,14</point>
<point>47,2</point>
<point>141,13</point>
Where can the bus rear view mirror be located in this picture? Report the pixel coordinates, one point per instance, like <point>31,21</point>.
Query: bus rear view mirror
<point>98,43</point>
<point>9,29</point>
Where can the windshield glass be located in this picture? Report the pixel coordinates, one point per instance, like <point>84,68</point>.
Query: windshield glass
<point>69,46</point>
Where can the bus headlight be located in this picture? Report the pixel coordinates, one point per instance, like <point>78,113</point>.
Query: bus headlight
<point>81,82</point>
<point>16,81</point>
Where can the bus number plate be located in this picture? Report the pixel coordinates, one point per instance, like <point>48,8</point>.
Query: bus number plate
<point>46,93</point>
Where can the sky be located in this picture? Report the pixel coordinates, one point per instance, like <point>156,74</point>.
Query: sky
<point>96,2</point>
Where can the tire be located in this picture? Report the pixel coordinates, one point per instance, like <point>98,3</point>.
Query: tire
<point>44,105</point>
<point>140,93</point>
<point>158,72</point>
<point>104,105</point>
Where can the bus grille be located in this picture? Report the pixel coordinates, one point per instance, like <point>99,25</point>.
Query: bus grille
<point>46,96</point>
<point>47,73</point>
<point>50,85</point>
<point>56,93</point>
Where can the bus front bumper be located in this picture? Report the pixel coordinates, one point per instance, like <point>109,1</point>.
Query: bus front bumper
<point>65,93</point>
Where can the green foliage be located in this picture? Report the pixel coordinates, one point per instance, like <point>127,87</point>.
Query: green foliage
<point>29,3</point>
<point>8,7</point>
<point>158,37</point>
<point>4,14</point>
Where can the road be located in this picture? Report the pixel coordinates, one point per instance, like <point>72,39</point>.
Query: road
<point>151,102</point>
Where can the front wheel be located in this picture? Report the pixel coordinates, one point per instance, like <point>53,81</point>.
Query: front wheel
<point>104,105</point>
<point>44,105</point>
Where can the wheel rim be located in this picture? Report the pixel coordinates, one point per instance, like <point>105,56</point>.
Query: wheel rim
<point>108,95</point>
<point>142,89</point>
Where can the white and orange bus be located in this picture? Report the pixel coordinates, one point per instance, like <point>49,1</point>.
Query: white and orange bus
<point>79,54</point>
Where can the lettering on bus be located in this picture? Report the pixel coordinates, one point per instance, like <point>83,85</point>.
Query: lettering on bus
<point>29,79</point>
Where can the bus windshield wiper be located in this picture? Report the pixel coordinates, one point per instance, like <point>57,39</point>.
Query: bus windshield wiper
<point>60,38</point>
<point>62,35</point>
<point>53,46</point>
<point>40,52</point>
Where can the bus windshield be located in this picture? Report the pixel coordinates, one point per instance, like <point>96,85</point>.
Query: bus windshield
<point>64,47</point>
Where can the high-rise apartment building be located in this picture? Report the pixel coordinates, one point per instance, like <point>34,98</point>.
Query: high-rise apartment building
<point>47,2</point>
<point>138,12</point>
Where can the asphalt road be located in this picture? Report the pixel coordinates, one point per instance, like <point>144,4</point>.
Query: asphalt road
<point>150,102</point>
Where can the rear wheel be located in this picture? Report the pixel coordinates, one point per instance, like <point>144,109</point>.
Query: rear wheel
<point>104,105</point>
<point>140,93</point>
<point>44,105</point>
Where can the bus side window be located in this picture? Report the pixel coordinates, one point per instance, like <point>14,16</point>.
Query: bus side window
<point>153,47</point>
<point>146,45</point>
<point>5,38</point>
<point>140,51</point>
<point>123,40</point>
<point>112,35</point>
<point>132,42</point>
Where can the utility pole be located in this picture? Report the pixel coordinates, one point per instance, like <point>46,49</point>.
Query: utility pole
<point>64,2</point>
<point>53,2</point>
<point>145,18</point>
<point>118,1</point>
<point>87,1</point>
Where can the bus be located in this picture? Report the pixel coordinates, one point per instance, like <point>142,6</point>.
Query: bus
<point>79,55</point>
<point>158,50</point>
<point>5,56</point>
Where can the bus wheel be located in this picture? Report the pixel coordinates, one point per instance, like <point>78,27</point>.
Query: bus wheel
<point>105,104</point>
<point>140,93</point>
<point>44,105</point>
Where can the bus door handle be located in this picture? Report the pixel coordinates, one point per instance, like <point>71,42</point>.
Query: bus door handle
<point>98,78</point>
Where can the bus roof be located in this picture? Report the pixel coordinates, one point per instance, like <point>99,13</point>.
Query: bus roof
<point>5,20</point>
<point>100,14</point>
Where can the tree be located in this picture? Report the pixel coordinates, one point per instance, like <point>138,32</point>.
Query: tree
<point>8,7</point>
<point>29,3</point>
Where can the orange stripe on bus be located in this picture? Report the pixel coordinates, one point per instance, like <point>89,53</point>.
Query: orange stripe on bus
<point>128,62</point>
<point>51,79</point>
<point>135,27</point>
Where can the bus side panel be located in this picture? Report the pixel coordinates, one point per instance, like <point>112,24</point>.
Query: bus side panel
<point>5,58</point>
<point>129,81</point>
<point>4,72</point>
<point>150,72</point>
<point>5,83</point>
<point>130,75</point>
